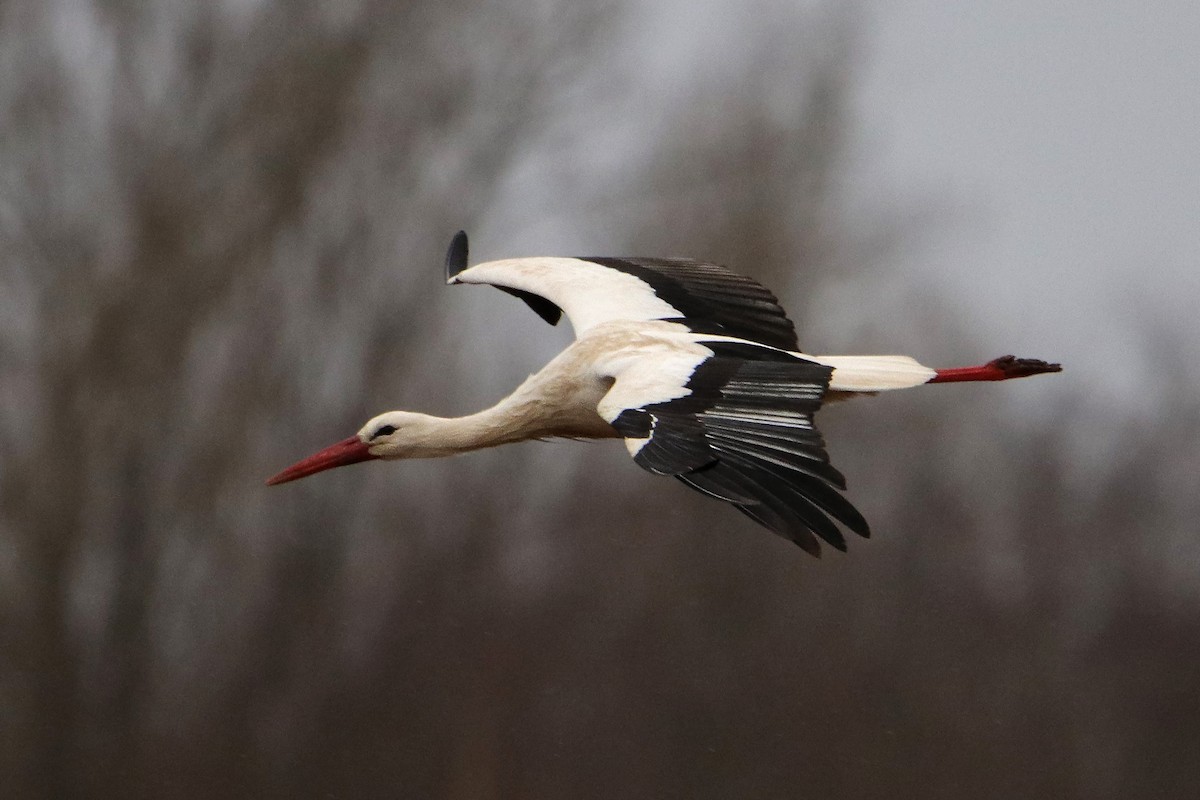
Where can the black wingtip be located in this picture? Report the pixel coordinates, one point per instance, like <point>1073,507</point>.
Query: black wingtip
<point>456,255</point>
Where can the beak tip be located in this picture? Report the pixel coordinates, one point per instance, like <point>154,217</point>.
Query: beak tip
<point>350,451</point>
<point>277,479</point>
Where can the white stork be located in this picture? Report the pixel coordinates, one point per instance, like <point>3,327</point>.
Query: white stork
<point>696,367</point>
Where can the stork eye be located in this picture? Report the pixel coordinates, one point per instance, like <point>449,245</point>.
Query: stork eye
<point>384,430</point>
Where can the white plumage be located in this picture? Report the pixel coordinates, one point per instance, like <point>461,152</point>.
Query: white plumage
<point>696,367</point>
<point>610,295</point>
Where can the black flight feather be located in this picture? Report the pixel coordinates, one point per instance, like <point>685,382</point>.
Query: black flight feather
<point>712,299</point>
<point>456,255</point>
<point>744,433</point>
<point>540,305</point>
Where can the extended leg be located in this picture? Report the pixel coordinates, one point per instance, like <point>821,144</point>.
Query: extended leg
<point>999,369</point>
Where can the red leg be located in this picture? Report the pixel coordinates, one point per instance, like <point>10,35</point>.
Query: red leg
<point>999,369</point>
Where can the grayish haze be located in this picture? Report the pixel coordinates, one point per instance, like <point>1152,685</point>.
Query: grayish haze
<point>1058,144</point>
<point>221,227</point>
<point>1047,153</point>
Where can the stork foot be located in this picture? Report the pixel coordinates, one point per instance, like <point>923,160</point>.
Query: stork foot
<point>1013,367</point>
<point>998,369</point>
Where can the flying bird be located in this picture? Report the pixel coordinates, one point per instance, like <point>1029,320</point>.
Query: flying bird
<point>695,367</point>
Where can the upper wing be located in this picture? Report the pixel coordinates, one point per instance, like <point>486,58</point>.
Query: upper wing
<point>738,425</point>
<point>707,298</point>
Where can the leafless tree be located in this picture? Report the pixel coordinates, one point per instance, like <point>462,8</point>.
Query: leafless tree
<point>221,226</point>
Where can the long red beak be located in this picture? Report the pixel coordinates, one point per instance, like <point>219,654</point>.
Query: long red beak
<point>350,451</point>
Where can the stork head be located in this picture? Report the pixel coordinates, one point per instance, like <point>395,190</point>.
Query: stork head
<point>396,434</point>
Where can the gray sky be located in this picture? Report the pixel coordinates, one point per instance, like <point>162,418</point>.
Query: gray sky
<point>1058,143</point>
<point>1048,153</point>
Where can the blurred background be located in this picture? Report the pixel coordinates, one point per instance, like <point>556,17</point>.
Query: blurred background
<point>221,234</point>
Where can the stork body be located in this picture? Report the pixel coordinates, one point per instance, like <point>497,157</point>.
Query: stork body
<point>695,367</point>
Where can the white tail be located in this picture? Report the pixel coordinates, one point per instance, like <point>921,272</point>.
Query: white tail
<point>875,373</point>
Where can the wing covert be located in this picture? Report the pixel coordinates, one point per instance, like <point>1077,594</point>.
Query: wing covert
<point>704,297</point>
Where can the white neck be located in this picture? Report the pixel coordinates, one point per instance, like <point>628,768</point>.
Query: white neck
<point>553,403</point>
<point>514,419</point>
<point>503,423</point>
